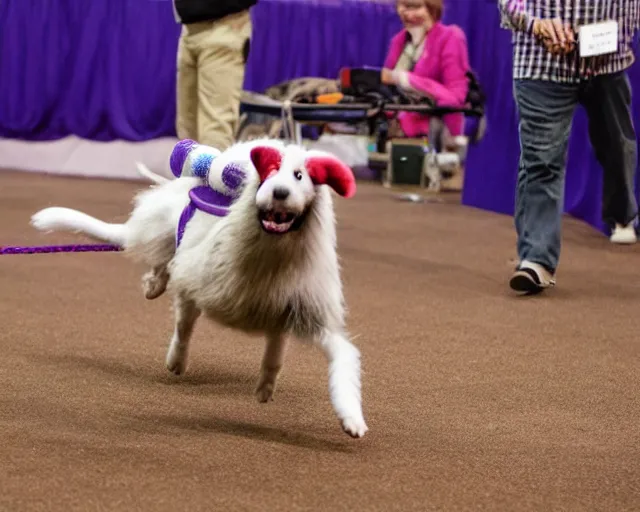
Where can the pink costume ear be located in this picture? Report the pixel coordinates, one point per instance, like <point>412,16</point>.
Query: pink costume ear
<point>328,170</point>
<point>267,161</point>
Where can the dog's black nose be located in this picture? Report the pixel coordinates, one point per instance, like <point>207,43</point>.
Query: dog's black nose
<point>280,193</point>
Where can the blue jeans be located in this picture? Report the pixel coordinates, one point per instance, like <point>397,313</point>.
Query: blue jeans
<point>546,112</point>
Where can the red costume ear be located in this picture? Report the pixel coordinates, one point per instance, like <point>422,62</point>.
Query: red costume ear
<point>267,161</point>
<point>328,170</point>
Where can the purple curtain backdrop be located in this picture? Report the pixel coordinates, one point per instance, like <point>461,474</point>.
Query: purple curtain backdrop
<point>105,70</point>
<point>98,69</point>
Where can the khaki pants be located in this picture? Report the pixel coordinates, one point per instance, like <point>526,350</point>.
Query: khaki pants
<point>210,78</point>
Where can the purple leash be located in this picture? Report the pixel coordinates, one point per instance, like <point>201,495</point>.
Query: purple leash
<point>47,249</point>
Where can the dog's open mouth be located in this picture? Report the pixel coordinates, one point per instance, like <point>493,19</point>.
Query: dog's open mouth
<point>277,222</point>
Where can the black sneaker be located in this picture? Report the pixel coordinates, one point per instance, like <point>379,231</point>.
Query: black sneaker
<point>529,278</point>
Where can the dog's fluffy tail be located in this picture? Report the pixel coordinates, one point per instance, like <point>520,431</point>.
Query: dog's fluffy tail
<point>66,219</point>
<point>144,171</point>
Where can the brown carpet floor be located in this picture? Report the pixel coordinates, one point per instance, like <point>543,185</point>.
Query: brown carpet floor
<point>475,399</point>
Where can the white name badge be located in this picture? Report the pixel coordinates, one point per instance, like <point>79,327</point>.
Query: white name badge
<point>598,38</point>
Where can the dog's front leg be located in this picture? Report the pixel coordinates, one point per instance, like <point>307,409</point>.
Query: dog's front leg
<point>271,365</point>
<point>344,381</point>
<point>186,315</point>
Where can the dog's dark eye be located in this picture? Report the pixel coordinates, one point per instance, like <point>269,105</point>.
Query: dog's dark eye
<point>298,175</point>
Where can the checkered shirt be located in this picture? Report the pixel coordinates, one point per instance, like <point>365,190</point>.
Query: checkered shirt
<point>532,61</point>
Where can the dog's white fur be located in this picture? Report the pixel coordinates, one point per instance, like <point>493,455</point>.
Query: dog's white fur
<point>232,271</point>
<point>150,175</point>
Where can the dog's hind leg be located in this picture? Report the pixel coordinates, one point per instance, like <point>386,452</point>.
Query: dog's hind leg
<point>272,361</point>
<point>344,381</point>
<point>154,282</point>
<point>186,315</point>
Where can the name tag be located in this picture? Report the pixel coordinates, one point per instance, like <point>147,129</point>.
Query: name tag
<point>598,38</point>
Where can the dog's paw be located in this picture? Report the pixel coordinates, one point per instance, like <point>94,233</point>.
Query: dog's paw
<point>354,427</point>
<point>176,362</point>
<point>264,391</point>
<point>177,367</point>
<point>154,285</point>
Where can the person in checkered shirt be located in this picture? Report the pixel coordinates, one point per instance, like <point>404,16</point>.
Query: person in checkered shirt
<point>565,53</point>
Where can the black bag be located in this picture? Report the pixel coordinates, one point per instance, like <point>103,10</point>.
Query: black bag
<point>476,97</point>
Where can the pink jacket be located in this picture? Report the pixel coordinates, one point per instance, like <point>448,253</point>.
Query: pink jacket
<point>440,72</point>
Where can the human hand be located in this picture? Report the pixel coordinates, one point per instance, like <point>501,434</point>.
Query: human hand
<point>388,77</point>
<point>555,37</point>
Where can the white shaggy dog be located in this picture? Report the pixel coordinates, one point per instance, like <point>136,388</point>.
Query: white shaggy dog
<point>268,267</point>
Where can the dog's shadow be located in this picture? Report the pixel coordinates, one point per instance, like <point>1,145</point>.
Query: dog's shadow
<point>209,380</point>
<point>208,424</point>
<point>203,381</point>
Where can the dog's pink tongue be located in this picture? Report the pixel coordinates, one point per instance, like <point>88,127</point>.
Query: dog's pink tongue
<point>274,226</point>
